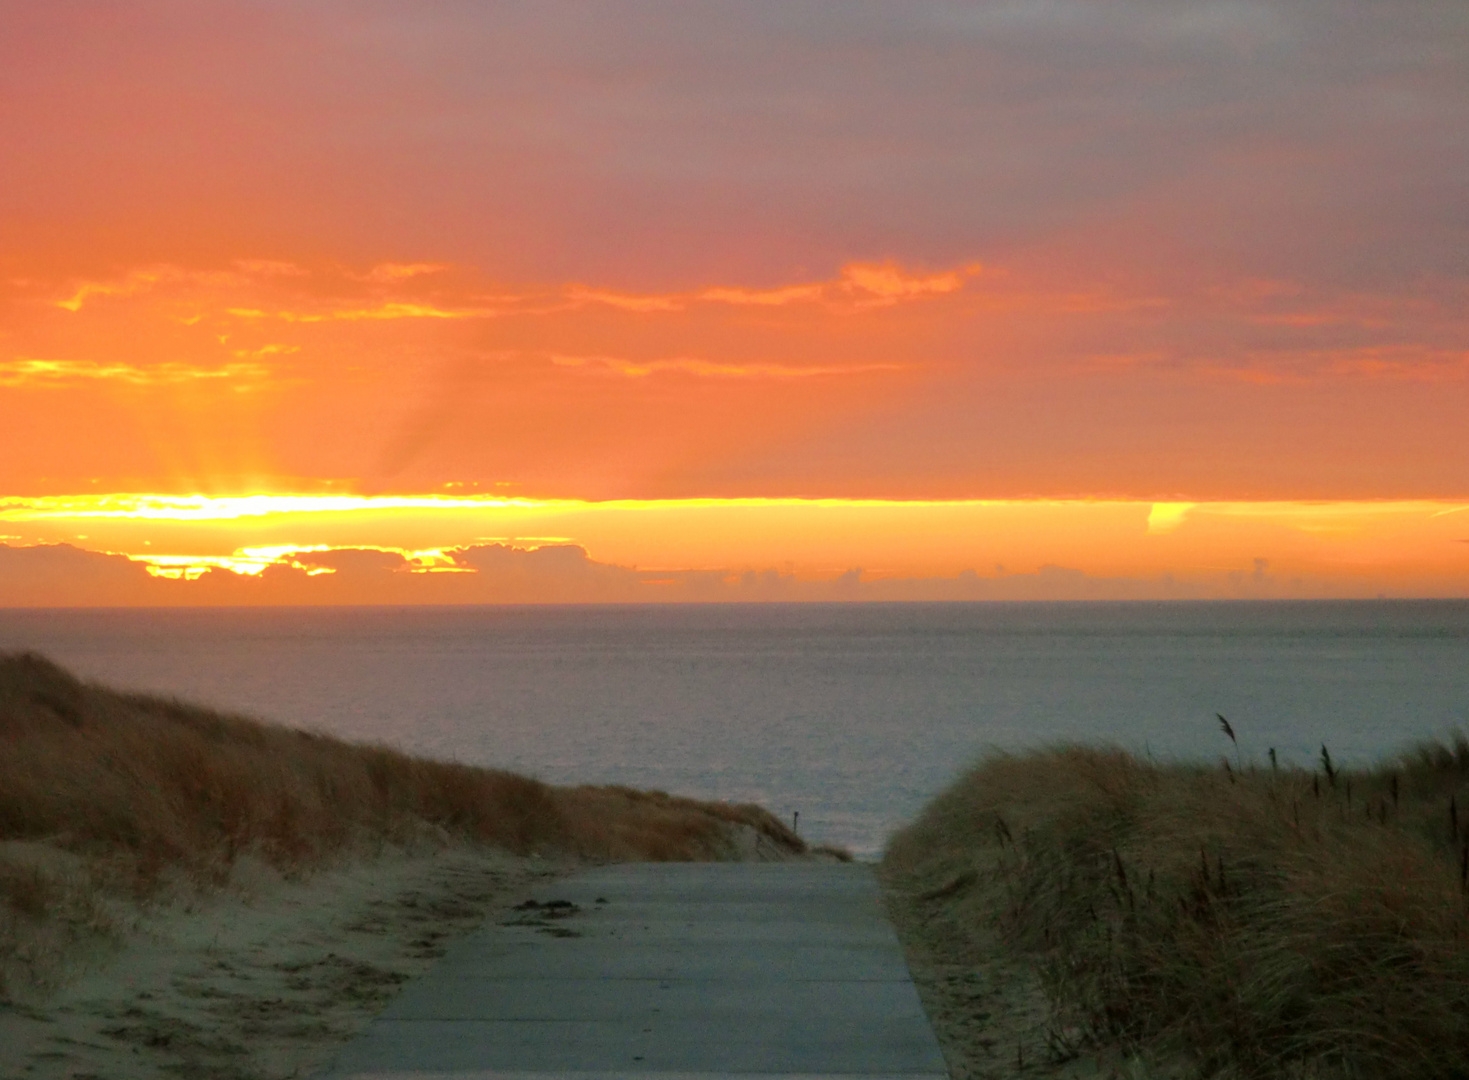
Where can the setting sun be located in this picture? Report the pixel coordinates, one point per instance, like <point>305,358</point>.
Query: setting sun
<point>374,305</point>
<point>679,539</point>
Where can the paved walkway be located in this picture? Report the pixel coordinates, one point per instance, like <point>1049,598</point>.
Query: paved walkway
<point>703,970</point>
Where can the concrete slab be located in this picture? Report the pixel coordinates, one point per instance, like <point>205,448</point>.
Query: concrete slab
<point>624,960</point>
<point>694,999</point>
<point>678,970</point>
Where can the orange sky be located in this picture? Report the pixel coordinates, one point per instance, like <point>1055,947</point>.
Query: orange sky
<point>724,289</point>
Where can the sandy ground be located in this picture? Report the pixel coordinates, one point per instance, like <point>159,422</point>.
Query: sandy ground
<point>986,1003</point>
<point>269,978</point>
<point>265,980</point>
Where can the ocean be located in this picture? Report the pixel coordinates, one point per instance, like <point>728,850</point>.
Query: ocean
<point>852,715</point>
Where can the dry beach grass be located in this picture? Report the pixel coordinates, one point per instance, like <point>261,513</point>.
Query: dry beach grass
<point>1162,920</point>
<point>153,785</point>
<point>185,893</point>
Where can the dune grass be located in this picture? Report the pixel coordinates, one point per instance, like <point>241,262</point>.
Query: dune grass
<point>122,793</point>
<point>1227,921</point>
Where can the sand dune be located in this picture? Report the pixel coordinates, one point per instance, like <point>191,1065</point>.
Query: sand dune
<point>267,977</point>
<point>188,893</point>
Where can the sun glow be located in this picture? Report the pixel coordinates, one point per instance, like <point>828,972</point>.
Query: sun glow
<point>371,548</point>
<point>233,507</point>
<point>192,567</point>
<point>253,561</point>
<point>1164,517</point>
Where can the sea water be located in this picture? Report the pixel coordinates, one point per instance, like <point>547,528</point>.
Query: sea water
<point>852,715</point>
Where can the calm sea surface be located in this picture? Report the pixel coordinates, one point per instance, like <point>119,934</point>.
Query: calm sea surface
<point>853,715</point>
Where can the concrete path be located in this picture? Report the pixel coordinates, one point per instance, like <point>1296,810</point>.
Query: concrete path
<point>700,970</point>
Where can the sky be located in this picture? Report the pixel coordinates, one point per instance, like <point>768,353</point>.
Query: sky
<point>326,302</point>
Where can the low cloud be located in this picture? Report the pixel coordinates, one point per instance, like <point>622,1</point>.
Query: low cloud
<point>389,272</point>
<point>709,369</point>
<point>259,289</point>
<point>353,561</point>
<point>26,371</point>
<point>556,573</point>
<point>64,575</point>
<point>390,309</point>
<point>858,284</point>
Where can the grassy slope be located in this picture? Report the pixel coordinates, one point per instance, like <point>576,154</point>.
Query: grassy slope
<point>120,792</point>
<point>1254,923</point>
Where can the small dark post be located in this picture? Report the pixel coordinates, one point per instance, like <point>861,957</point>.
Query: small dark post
<point>796,822</point>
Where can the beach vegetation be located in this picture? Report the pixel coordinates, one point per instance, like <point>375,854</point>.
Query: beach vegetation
<point>1218,921</point>
<point>107,794</point>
